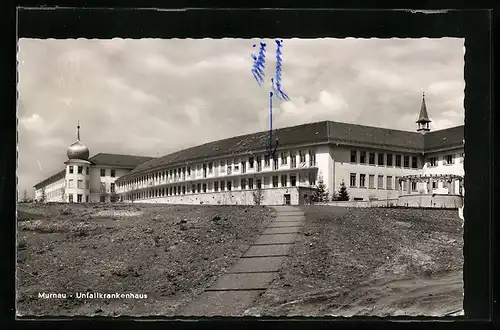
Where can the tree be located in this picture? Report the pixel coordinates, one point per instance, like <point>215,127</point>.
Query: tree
<point>343,195</point>
<point>321,193</point>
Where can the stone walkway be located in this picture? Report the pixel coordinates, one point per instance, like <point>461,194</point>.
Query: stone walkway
<point>234,292</point>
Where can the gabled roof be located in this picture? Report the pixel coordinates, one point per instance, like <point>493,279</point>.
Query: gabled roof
<point>445,138</point>
<point>53,177</point>
<point>376,136</point>
<point>306,133</point>
<point>118,160</point>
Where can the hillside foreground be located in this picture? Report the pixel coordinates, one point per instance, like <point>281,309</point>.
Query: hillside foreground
<point>346,261</point>
<point>370,262</point>
<point>170,253</point>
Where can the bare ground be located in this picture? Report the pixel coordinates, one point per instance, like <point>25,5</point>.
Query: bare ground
<point>170,253</point>
<point>376,262</point>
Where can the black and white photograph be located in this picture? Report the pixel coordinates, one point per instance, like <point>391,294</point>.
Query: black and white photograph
<point>240,177</point>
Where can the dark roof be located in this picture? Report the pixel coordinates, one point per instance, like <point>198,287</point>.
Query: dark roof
<point>445,138</point>
<point>53,177</point>
<point>118,160</point>
<point>325,131</point>
<point>423,117</point>
<point>306,133</point>
<point>377,136</point>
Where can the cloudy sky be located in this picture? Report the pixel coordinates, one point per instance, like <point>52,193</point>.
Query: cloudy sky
<point>155,96</point>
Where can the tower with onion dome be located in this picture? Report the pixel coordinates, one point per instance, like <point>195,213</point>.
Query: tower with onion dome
<point>77,178</point>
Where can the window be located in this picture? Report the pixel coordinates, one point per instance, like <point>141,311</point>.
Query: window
<point>210,167</point>
<point>80,169</point>
<point>87,197</point>
<point>222,166</point>
<point>243,167</point>
<point>71,169</point>
<point>371,181</point>
<point>236,167</point>
<point>398,160</point>
<point>222,185</point>
<point>275,162</point>
<point>189,170</point>
<point>70,183</point>
<point>380,159</point>
<point>79,184</point>
<point>183,190</point>
<point>293,160</point>
<point>293,180</point>
<point>353,179</point>
<point>175,190</point>
<point>362,157</point>
<point>371,158</point>
<point>406,161</point>
<point>362,179</point>
<point>389,159</point>
<point>354,155</point>
<point>266,182</point>
<point>112,187</point>
<point>216,186</point>
<point>397,184</point>
<point>229,185</point>
<point>388,184</point>
<point>243,184</point>
<point>250,183</point>
<point>413,186</point>
<point>103,172</point>
<point>266,160</point>
<point>283,180</point>
<point>275,181</point>
<point>250,162</point>
<point>102,199</point>
<point>380,183</point>
<point>70,198</point>
<point>312,158</point>
<point>448,159</point>
<point>302,157</point>
<point>170,191</point>
<point>414,163</point>
<point>259,164</point>
<point>434,184</point>
<point>259,184</point>
<point>284,158</point>
<point>432,161</point>
<point>198,187</point>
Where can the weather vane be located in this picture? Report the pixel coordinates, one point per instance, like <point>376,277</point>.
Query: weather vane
<point>258,73</point>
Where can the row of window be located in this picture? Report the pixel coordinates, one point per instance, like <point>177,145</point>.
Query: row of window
<point>223,185</point>
<point>389,182</point>
<point>79,169</point>
<point>79,198</point>
<point>112,172</point>
<point>447,159</point>
<point>226,166</point>
<point>383,159</point>
<point>79,184</point>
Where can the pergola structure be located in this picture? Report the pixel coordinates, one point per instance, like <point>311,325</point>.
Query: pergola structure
<point>449,181</point>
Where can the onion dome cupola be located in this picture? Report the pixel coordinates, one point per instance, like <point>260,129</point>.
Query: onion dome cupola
<point>77,150</point>
<point>423,118</point>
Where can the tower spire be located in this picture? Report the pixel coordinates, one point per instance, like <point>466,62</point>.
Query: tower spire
<point>423,118</point>
<point>78,131</point>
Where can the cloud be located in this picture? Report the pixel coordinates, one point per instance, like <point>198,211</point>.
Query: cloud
<point>154,96</point>
<point>33,123</point>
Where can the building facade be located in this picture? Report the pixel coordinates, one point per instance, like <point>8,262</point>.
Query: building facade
<point>85,179</point>
<point>373,163</point>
